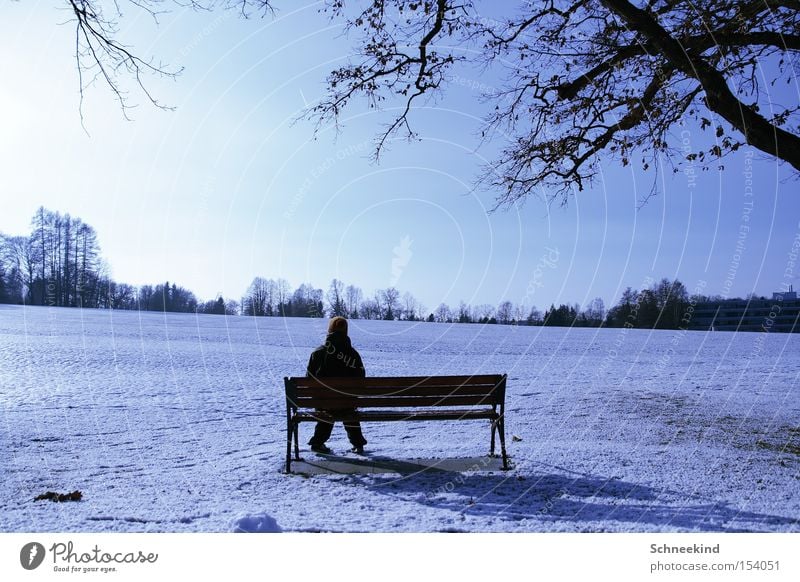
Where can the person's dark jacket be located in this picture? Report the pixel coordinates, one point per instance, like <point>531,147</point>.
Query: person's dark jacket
<point>335,358</point>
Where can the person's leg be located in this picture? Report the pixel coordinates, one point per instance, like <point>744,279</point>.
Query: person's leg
<point>353,429</point>
<point>322,432</point>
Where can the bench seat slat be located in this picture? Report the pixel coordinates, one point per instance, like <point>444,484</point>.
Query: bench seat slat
<point>389,401</point>
<point>372,391</point>
<point>401,381</point>
<point>386,415</point>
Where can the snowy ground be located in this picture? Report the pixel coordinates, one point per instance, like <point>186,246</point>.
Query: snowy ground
<point>176,423</point>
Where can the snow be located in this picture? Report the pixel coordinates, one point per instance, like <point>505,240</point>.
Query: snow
<point>260,523</point>
<point>176,423</point>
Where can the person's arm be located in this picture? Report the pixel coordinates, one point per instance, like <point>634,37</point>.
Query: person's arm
<point>313,368</point>
<point>360,365</point>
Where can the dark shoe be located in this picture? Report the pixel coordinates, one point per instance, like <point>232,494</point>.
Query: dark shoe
<point>323,449</point>
<point>359,450</point>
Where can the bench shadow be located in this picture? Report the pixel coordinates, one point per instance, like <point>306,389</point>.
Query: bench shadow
<point>379,464</point>
<point>540,500</point>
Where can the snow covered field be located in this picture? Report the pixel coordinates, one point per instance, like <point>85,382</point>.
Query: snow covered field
<point>176,423</point>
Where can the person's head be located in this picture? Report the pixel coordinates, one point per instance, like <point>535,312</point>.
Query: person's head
<point>337,324</point>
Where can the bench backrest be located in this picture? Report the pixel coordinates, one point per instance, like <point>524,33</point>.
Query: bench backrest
<point>393,392</point>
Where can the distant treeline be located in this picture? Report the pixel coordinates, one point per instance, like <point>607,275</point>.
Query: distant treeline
<point>59,264</point>
<point>665,305</point>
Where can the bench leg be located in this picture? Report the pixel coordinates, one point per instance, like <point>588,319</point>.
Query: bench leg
<point>289,431</point>
<point>501,426</point>
<point>494,429</point>
<point>297,441</point>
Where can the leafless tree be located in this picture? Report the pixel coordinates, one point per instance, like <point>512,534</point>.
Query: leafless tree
<point>353,298</point>
<point>256,302</point>
<point>282,295</point>
<point>586,79</point>
<point>370,309</point>
<point>505,312</point>
<point>390,303</point>
<point>483,312</point>
<point>19,254</point>
<point>336,301</point>
<point>411,307</point>
<point>534,317</point>
<point>595,312</point>
<point>443,313</point>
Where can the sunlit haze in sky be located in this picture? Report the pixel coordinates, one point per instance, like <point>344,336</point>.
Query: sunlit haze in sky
<point>232,184</point>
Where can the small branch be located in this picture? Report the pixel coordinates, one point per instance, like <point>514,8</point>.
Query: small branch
<point>719,98</point>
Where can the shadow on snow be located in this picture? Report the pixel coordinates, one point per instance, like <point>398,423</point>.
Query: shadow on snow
<point>556,495</point>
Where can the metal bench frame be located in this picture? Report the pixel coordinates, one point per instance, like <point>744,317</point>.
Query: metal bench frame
<point>405,398</point>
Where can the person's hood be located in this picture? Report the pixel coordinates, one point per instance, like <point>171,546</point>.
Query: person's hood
<point>339,340</point>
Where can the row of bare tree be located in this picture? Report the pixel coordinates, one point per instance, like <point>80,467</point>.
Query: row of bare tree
<point>59,265</point>
<point>665,304</point>
<point>274,297</point>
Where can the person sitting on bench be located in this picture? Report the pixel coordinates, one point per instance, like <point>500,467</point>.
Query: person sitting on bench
<point>336,358</point>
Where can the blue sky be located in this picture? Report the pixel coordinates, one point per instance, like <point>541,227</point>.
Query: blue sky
<point>229,185</point>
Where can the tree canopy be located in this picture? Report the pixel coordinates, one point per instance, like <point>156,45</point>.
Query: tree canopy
<point>585,80</point>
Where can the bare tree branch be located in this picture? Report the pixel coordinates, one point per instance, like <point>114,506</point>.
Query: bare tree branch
<point>100,56</point>
<point>388,66</point>
<point>757,130</point>
<point>588,80</point>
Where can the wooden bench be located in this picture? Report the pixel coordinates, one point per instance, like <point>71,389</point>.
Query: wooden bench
<point>416,398</point>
